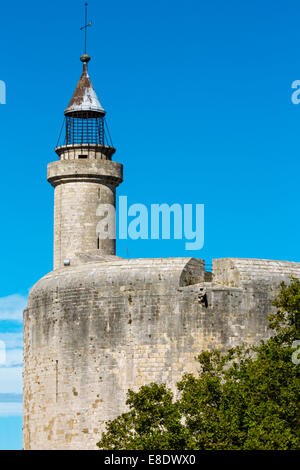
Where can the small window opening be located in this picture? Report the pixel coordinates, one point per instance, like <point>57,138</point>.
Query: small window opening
<point>56,374</point>
<point>82,156</point>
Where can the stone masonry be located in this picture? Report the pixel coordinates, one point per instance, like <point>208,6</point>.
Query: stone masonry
<point>81,185</point>
<point>98,325</point>
<point>97,329</point>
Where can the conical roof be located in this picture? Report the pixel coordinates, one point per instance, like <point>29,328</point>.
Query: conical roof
<point>85,98</point>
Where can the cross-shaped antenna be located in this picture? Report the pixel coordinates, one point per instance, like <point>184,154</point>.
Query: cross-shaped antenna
<point>84,28</point>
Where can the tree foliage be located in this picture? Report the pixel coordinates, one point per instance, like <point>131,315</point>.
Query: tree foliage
<point>246,398</point>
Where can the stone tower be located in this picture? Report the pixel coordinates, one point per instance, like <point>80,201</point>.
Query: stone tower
<point>98,324</point>
<point>84,178</point>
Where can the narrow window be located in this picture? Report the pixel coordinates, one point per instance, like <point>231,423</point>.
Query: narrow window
<point>82,156</point>
<point>56,374</point>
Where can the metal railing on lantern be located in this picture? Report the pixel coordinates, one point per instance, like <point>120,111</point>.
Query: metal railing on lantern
<point>85,128</point>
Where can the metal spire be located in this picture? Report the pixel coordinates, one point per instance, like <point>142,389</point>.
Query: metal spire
<point>85,27</point>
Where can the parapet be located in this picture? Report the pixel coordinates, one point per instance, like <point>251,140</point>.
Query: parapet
<point>237,272</point>
<point>134,273</point>
<point>98,171</point>
<point>89,151</point>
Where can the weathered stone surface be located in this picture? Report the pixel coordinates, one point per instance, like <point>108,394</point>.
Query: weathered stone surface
<point>94,330</point>
<point>81,186</point>
<point>239,272</point>
<point>103,324</point>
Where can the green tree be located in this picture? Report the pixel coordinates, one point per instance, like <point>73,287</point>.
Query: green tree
<point>246,398</point>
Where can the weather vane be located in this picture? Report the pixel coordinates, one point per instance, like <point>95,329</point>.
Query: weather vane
<point>84,28</point>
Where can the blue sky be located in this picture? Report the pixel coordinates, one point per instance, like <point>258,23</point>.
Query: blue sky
<point>198,100</point>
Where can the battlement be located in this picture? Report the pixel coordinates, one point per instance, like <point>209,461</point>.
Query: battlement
<point>237,272</point>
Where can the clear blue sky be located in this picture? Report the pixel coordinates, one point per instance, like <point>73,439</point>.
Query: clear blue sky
<point>198,100</point>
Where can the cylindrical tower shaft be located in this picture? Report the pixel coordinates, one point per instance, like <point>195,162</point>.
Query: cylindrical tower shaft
<point>84,195</point>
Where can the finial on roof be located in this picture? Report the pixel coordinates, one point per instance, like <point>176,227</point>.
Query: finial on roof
<point>84,97</point>
<point>85,58</point>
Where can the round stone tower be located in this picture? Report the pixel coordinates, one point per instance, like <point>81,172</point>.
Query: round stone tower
<point>98,325</point>
<point>85,180</point>
<point>60,347</point>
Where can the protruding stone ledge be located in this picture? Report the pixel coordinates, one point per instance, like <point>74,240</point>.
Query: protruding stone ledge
<point>99,171</point>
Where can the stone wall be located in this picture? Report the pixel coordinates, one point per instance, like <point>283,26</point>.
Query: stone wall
<point>239,272</point>
<point>93,331</point>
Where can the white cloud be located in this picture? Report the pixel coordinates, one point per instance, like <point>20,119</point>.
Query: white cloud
<point>12,340</point>
<point>10,379</point>
<point>10,409</point>
<point>11,307</point>
<point>11,311</point>
<point>13,358</point>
